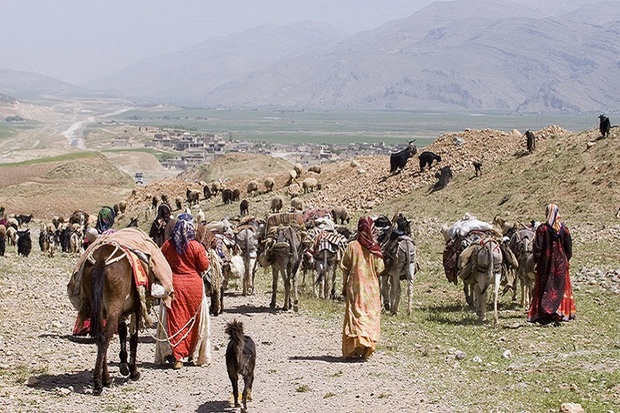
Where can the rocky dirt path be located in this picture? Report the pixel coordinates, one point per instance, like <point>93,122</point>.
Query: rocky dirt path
<point>44,368</point>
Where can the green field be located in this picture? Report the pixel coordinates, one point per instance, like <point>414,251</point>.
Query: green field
<point>8,129</point>
<point>344,127</point>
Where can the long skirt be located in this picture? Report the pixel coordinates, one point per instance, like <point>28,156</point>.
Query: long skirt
<point>187,324</point>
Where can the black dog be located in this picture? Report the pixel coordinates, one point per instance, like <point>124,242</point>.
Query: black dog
<point>240,360</point>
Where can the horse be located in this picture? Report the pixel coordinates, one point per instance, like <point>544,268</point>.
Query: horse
<point>110,292</point>
<point>401,264</point>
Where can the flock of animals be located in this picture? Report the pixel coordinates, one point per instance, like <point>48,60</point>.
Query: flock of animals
<point>307,245</point>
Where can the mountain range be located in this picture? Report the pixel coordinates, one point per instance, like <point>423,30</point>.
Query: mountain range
<point>473,55</point>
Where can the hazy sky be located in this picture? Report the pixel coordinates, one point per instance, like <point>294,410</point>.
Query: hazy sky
<point>78,40</point>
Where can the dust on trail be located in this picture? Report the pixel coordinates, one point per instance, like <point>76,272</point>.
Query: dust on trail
<point>298,367</point>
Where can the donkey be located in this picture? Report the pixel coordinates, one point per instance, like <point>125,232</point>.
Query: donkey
<point>400,257</point>
<point>284,256</point>
<point>521,244</point>
<point>110,292</point>
<point>327,254</point>
<point>248,243</point>
<point>487,272</point>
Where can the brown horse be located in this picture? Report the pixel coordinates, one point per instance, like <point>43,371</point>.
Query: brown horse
<point>110,295</point>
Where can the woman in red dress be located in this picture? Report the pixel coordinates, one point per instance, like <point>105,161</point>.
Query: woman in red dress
<point>187,321</point>
<point>552,300</point>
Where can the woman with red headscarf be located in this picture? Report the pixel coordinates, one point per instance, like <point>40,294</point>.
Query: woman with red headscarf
<point>552,300</point>
<point>362,264</point>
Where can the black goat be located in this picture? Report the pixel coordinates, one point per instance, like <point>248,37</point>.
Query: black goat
<point>206,191</point>
<point>24,243</point>
<point>244,207</point>
<point>236,194</point>
<point>23,219</point>
<point>604,126</point>
<point>477,167</point>
<point>398,160</point>
<point>531,141</point>
<point>240,360</point>
<point>444,176</point>
<point>193,197</point>
<point>227,196</point>
<point>426,158</point>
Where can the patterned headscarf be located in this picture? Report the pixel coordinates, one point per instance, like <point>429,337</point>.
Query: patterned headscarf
<point>366,236</point>
<point>553,217</point>
<point>183,233</point>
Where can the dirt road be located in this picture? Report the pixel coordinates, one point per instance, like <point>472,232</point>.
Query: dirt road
<point>298,367</point>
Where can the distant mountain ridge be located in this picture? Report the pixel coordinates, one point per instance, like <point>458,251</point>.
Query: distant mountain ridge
<point>473,55</point>
<point>27,85</point>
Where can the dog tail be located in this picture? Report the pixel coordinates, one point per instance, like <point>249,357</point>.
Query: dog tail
<point>235,330</point>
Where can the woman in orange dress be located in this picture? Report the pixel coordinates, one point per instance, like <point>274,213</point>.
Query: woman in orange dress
<point>362,264</point>
<point>552,300</point>
<point>187,321</point>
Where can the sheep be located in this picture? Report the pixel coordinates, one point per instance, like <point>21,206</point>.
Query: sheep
<point>341,213</point>
<point>3,237</point>
<point>12,222</point>
<point>200,216</point>
<point>269,183</point>
<point>293,190</point>
<point>244,207</point>
<point>216,186</point>
<point>309,184</point>
<point>252,186</point>
<point>276,203</point>
<point>315,169</point>
<point>297,204</point>
<point>298,168</point>
<point>178,202</point>
<point>292,175</point>
<point>122,206</point>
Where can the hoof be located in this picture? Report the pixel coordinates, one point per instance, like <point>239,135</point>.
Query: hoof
<point>97,391</point>
<point>135,376</point>
<point>296,308</point>
<point>272,305</point>
<point>124,369</point>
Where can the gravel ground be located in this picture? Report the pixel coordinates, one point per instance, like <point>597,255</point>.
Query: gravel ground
<point>299,369</point>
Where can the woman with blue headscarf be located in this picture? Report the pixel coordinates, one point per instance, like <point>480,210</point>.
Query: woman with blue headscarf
<point>187,321</point>
<point>552,300</point>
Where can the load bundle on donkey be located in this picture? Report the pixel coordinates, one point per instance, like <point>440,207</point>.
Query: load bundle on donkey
<point>401,260</point>
<point>219,241</point>
<point>325,246</point>
<point>282,250</point>
<point>474,252</point>
<point>112,280</point>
